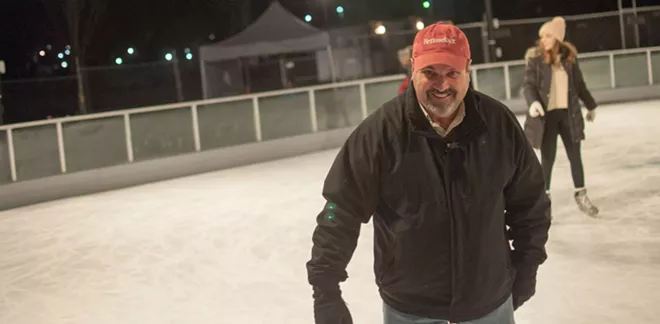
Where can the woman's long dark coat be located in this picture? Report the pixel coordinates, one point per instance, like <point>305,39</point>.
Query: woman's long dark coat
<point>536,87</point>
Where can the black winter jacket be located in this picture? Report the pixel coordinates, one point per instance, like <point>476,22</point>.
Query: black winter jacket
<point>536,87</point>
<point>440,208</point>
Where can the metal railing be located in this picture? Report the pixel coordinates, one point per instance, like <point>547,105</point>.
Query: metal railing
<point>117,137</point>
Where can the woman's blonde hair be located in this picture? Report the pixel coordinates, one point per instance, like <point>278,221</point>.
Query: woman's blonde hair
<point>552,56</point>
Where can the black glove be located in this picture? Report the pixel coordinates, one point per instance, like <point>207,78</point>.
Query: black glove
<point>329,307</point>
<point>524,286</point>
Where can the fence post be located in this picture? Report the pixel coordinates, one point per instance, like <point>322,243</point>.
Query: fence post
<point>507,82</point>
<point>128,136</point>
<point>312,111</point>
<point>12,157</point>
<point>475,81</point>
<point>195,124</point>
<point>60,146</point>
<point>257,118</point>
<point>363,100</point>
<point>612,73</point>
<point>649,66</point>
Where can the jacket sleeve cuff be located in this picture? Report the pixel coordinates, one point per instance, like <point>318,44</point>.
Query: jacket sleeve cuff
<point>526,271</point>
<point>326,290</point>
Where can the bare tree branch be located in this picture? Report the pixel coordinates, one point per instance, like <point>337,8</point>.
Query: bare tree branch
<point>95,10</point>
<point>83,17</point>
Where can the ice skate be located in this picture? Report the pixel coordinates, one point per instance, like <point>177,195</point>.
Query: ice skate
<point>585,205</point>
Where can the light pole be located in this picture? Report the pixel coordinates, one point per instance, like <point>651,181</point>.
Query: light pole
<point>428,5</point>
<point>329,47</point>
<point>325,13</point>
<point>2,108</point>
<point>621,25</point>
<point>634,7</point>
<point>488,5</point>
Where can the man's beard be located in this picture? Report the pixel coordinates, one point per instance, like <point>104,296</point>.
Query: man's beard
<point>441,109</point>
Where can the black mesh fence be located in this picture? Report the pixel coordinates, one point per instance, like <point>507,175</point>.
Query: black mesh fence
<point>39,99</point>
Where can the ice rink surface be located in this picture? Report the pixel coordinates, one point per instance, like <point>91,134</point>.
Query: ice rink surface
<point>231,246</point>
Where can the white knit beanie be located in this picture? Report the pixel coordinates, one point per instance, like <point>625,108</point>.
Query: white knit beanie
<point>405,53</point>
<point>555,27</point>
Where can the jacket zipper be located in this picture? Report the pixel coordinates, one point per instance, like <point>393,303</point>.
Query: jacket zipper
<point>445,171</point>
<point>448,196</point>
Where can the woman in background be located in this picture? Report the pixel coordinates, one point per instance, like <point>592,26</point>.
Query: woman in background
<point>553,88</point>
<point>405,54</point>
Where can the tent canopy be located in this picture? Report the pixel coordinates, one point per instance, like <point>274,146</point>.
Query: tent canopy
<point>276,31</point>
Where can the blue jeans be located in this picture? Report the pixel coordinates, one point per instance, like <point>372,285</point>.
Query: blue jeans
<point>501,315</point>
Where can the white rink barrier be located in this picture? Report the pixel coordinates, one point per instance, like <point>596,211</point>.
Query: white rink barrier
<point>52,159</point>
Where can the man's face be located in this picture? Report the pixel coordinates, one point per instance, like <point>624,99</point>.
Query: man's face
<point>441,88</point>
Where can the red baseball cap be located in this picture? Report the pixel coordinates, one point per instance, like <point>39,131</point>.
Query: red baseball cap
<point>440,43</point>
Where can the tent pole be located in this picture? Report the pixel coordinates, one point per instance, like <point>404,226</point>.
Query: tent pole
<point>283,74</point>
<point>331,59</point>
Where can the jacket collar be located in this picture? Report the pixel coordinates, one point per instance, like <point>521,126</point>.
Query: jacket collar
<point>472,127</point>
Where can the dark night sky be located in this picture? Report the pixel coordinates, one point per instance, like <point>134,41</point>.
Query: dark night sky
<point>155,26</point>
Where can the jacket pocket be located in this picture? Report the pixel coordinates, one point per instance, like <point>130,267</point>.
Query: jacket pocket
<point>387,264</point>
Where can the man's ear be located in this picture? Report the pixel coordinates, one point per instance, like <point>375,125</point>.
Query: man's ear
<point>468,70</point>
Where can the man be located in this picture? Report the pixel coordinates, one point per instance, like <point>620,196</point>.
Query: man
<point>443,170</point>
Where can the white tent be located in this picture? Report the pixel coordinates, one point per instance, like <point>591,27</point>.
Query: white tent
<point>276,31</point>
